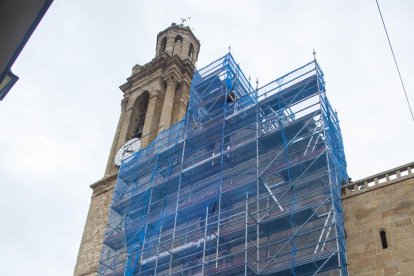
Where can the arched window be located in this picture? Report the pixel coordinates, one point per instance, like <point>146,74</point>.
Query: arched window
<point>177,45</point>
<point>383,236</point>
<point>163,45</point>
<point>179,38</point>
<point>139,111</point>
<point>191,51</point>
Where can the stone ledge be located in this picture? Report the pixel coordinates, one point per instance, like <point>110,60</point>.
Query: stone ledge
<point>379,180</point>
<point>101,186</point>
<point>161,62</point>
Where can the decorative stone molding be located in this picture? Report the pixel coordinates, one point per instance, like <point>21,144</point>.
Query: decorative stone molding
<point>150,77</point>
<point>172,80</point>
<point>101,186</point>
<point>124,103</point>
<point>378,180</point>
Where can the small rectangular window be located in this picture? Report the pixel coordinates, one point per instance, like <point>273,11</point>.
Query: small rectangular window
<point>384,242</point>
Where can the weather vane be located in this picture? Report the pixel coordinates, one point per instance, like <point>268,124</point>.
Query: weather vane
<point>184,19</point>
<point>229,48</point>
<point>314,54</point>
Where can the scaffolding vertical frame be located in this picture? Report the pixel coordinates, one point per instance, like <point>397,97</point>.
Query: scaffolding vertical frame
<point>247,183</point>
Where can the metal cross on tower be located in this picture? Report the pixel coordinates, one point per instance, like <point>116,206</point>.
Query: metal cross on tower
<point>184,19</point>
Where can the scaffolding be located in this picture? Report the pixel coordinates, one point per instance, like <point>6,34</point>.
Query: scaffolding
<point>248,183</point>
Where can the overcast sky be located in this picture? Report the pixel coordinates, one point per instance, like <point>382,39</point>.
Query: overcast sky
<point>58,121</point>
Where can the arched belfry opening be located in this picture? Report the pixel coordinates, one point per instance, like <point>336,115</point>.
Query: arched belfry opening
<point>163,45</point>
<point>148,103</point>
<point>178,44</point>
<point>138,116</point>
<point>191,52</point>
<point>178,38</point>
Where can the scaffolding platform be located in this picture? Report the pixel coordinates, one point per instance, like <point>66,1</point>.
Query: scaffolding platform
<point>248,183</point>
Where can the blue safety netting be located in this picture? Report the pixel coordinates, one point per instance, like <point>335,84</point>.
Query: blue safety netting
<point>247,183</point>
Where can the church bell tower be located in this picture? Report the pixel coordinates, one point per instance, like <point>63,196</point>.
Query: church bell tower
<point>156,94</point>
<point>155,98</point>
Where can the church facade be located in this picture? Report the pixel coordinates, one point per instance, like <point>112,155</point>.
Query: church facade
<point>138,231</point>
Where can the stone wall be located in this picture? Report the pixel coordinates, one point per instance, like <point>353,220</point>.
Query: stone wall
<point>382,202</point>
<point>167,80</point>
<point>91,244</point>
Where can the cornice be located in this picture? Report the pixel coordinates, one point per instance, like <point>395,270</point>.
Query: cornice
<point>167,64</point>
<point>379,180</point>
<point>101,186</point>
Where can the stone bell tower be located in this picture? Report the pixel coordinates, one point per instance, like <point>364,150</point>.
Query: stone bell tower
<point>155,97</point>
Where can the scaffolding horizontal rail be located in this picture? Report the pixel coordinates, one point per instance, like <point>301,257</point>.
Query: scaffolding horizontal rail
<point>249,182</point>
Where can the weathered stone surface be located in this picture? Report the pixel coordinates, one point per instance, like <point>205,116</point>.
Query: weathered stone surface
<point>167,107</point>
<point>382,202</point>
<point>91,244</point>
<point>166,79</point>
<point>188,48</point>
<point>387,206</point>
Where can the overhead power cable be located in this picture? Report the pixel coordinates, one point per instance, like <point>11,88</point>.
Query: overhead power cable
<point>395,61</point>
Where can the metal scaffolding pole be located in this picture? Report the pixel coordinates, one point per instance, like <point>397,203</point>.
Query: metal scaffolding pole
<point>247,183</point>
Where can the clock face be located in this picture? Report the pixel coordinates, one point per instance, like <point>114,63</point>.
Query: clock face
<point>126,152</point>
